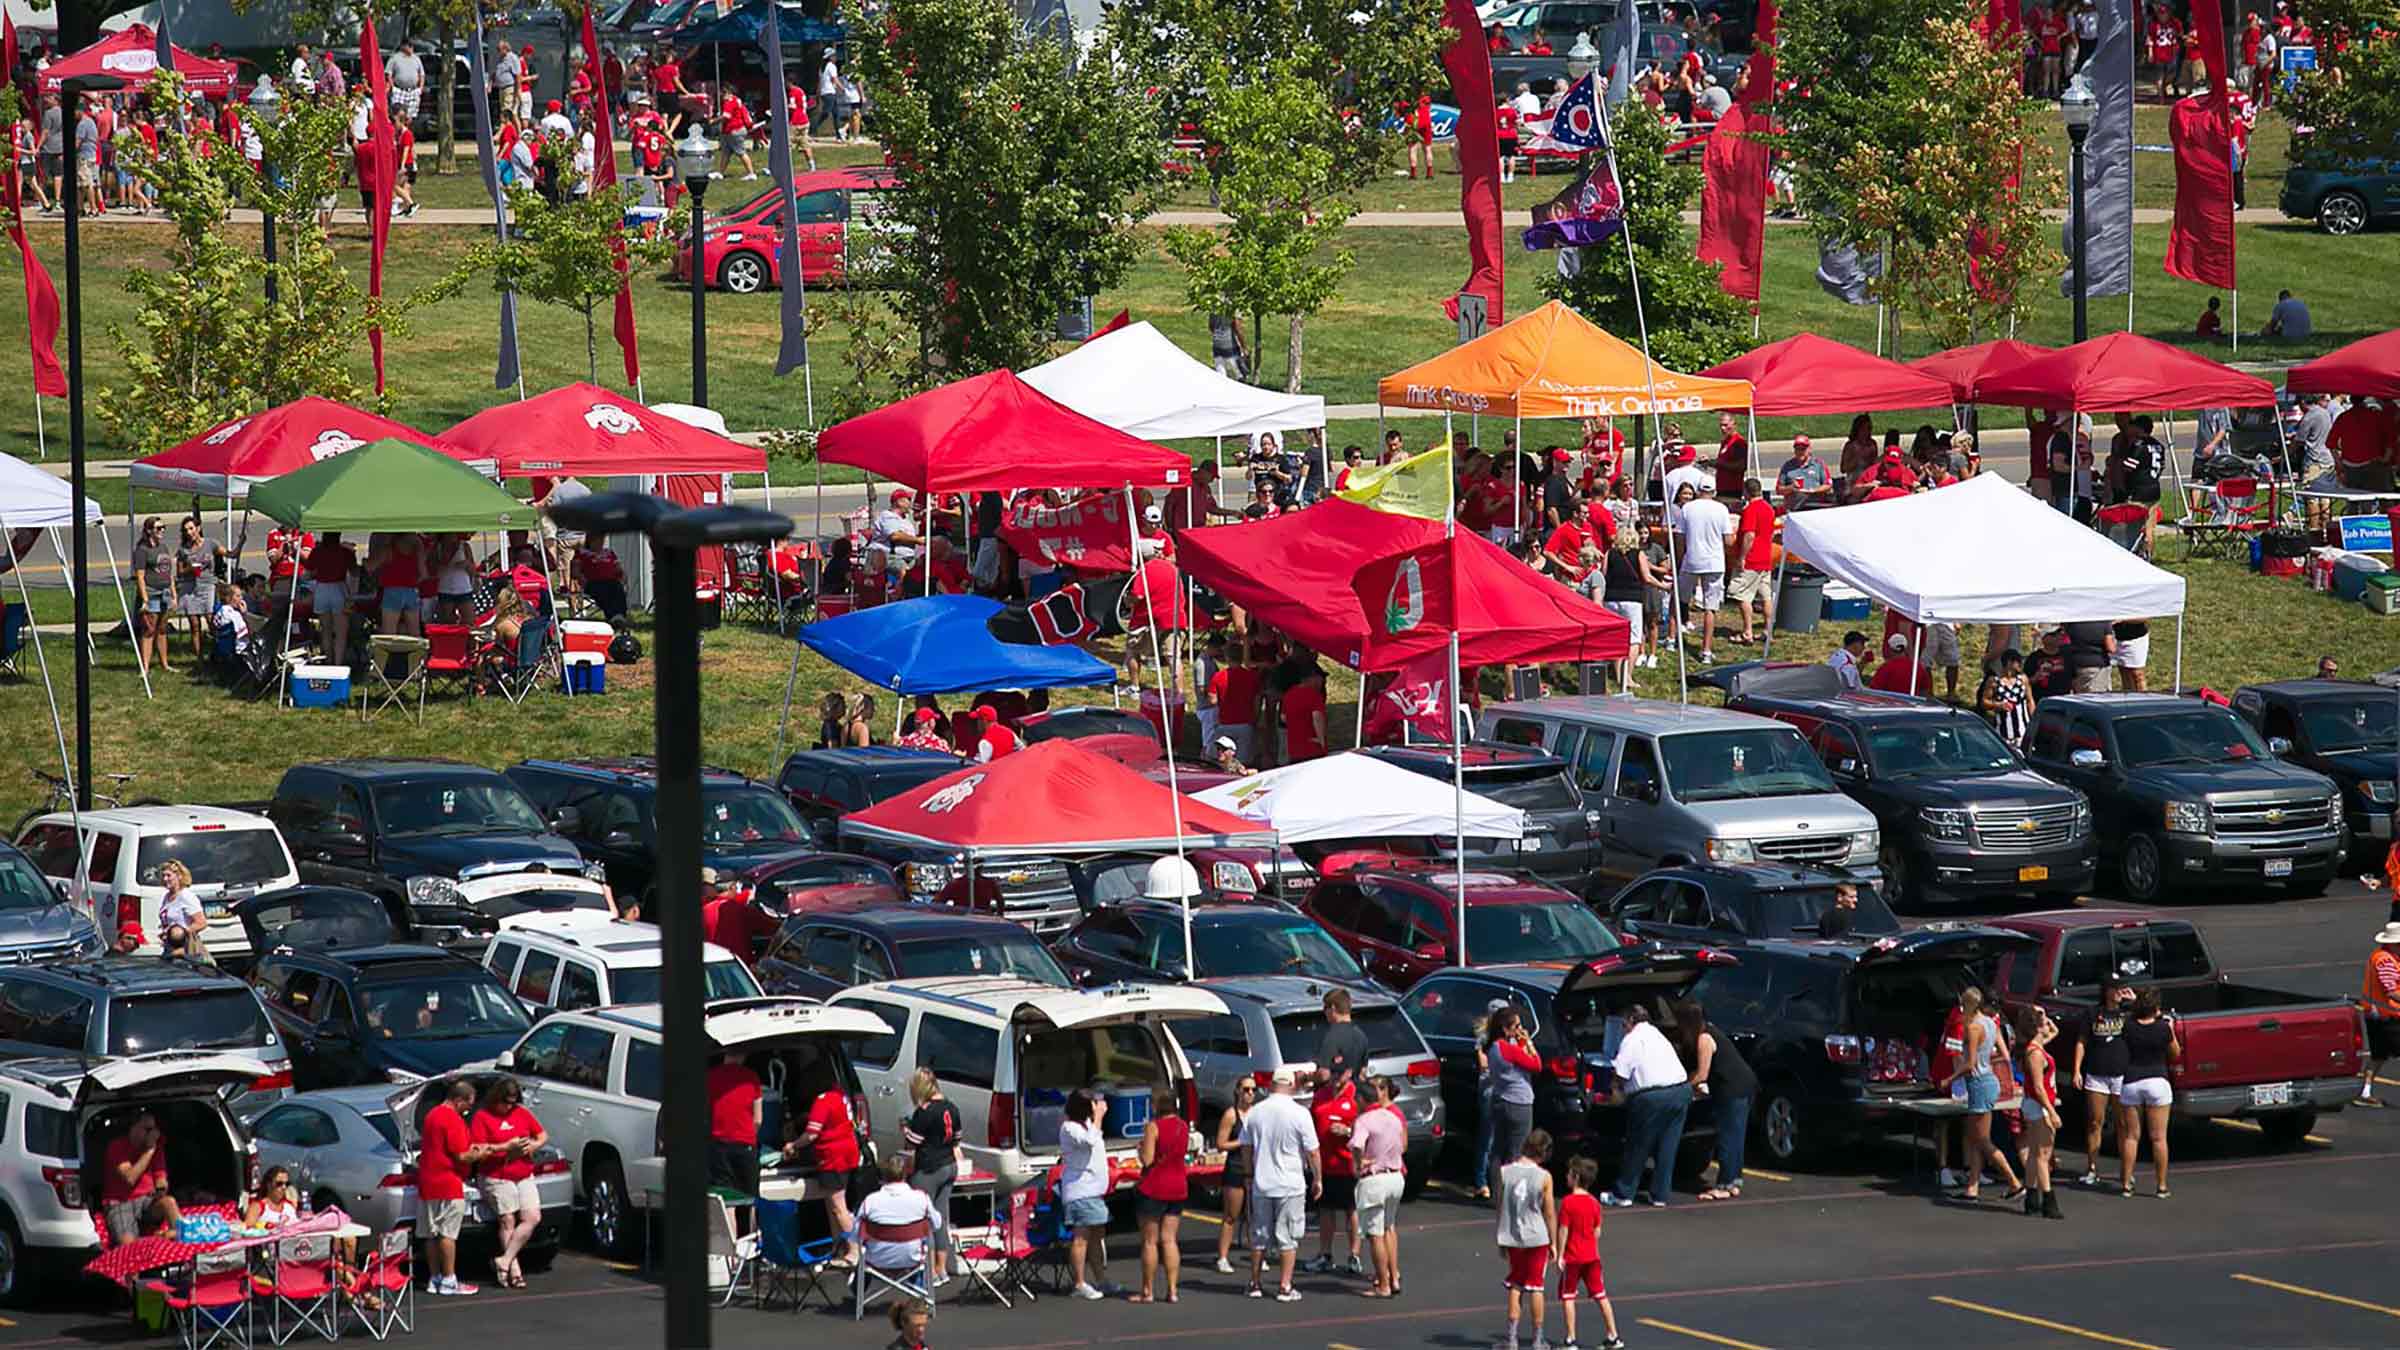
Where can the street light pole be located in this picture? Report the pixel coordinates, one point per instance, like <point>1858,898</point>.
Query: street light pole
<point>74,91</point>
<point>2078,109</point>
<point>265,107</point>
<point>696,159</point>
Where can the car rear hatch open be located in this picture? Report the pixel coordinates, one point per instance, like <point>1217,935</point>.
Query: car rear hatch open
<point>756,1023</point>
<point>1978,945</point>
<point>167,1074</point>
<point>315,918</point>
<point>1903,991</point>
<point>1112,1040</point>
<point>1650,975</point>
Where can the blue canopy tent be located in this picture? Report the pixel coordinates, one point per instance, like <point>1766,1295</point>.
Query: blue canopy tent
<point>747,26</point>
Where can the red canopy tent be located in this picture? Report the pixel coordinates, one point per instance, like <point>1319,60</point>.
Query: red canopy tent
<point>1299,573</point>
<point>992,433</point>
<point>1806,375</point>
<point>1051,797</point>
<point>230,457</point>
<point>2122,372</point>
<point>585,429</point>
<point>2367,368</point>
<point>1965,367</point>
<point>131,54</point>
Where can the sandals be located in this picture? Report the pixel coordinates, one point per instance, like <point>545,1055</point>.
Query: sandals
<point>1718,1193</point>
<point>2164,1194</point>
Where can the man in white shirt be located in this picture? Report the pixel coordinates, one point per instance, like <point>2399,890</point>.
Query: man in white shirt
<point>405,71</point>
<point>897,1204</point>
<point>303,73</point>
<point>1848,658</point>
<point>1687,470</point>
<point>555,122</point>
<point>1529,104</point>
<point>1705,526</point>
<point>896,529</point>
<point>1654,1086</point>
<point>1285,1174</point>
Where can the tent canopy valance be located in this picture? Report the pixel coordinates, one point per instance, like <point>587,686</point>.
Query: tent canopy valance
<point>942,644</point>
<point>233,456</point>
<point>391,485</point>
<point>131,54</point>
<point>1137,381</point>
<point>1554,362</point>
<point>1051,797</point>
<point>1355,796</point>
<point>2367,368</point>
<point>1965,367</point>
<point>993,433</point>
<point>2121,372</point>
<point>31,499</point>
<point>585,429</point>
<point>1982,551</point>
<point>1806,375</point>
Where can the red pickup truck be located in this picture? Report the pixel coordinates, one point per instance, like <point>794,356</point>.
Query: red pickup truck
<point>2261,1054</point>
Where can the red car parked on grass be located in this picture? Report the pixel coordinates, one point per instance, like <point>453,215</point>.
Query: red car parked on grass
<point>738,247</point>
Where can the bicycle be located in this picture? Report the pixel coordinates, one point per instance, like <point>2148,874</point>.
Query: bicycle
<point>62,797</point>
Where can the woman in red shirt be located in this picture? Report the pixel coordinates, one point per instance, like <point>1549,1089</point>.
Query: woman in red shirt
<point>1159,1195</point>
<point>829,1139</point>
<point>511,1135</point>
<point>398,567</point>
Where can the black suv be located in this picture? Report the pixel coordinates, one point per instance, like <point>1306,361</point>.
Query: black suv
<point>2344,730</point>
<point>2186,794</point>
<point>825,785</point>
<point>820,954</point>
<point>406,830</point>
<point>1960,813</point>
<point>1726,902</point>
<point>1562,841</point>
<point>1143,940</point>
<point>110,1006</point>
<point>356,1014</point>
<point>609,806</point>
<point>1841,1033</point>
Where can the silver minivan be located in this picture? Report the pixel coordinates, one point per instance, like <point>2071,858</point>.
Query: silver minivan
<point>1678,783</point>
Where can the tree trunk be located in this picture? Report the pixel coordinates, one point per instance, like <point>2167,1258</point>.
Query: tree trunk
<point>1291,370</point>
<point>591,347</point>
<point>445,101</point>
<point>1258,346</point>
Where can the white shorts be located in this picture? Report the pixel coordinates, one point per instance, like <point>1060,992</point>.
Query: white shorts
<point>1941,641</point>
<point>2132,653</point>
<point>513,1197</point>
<point>1379,1203</point>
<point>2147,1092</point>
<point>443,1218</point>
<point>2106,1087</point>
<point>1708,590</point>
<point>1630,611</point>
<point>1277,1222</point>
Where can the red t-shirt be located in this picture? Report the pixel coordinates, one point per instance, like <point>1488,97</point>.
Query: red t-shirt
<point>667,77</point>
<point>732,922</point>
<point>995,741</point>
<point>1892,677</point>
<point>950,576</point>
<point>732,1102</point>
<point>1336,1115</point>
<point>737,115</point>
<point>1236,691</point>
<point>1733,465</point>
<point>285,561</point>
<point>1158,595</point>
<point>1565,543</point>
<point>1504,119</point>
<point>401,570</point>
<point>837,1141</point>
<point>599,564</point>
<point>1758,521</point>
<point>331,562</point>
<point>440,1174</point>
<point>114,1187</point>
<point>1579,1219</point>
<point>2356,437</point>
<point>490,1129</point>
<point>1301,739</point>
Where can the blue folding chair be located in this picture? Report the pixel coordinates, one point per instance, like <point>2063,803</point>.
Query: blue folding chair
<point>784,1262</point>
<point>14,621</point>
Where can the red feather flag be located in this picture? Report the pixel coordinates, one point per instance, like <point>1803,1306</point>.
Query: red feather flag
<point>1733,174</point>
<point>604,179</point>
<point>378,171</point>
<point>2200,242</point>
<point>1468,63</point>
<point>41,297</point>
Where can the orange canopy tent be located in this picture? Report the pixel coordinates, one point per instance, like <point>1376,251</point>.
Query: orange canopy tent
<point>1554,362</point>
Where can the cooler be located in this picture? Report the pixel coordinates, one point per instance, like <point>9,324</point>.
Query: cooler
<point>2383,593</point>
<point>2350,573</point>
<point>1127,1114</point>
<point>711,608</point>
<point>585,637</point>
<point>320,686</point>
<point>1846,604</point>
<point>585,673</point>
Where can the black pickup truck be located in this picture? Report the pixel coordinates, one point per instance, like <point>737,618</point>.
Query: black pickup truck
<point>2343,729</point>
<point>2186,795</point>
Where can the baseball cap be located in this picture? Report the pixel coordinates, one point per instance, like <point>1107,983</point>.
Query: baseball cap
<point>987,713</point>
<point>1686,454</point>
<point>130,929</point>
<point>556,106</point>
<point>1226,743</point>
<point>708,876</point>
<point>1892,455</point>
<point>1801,441</point>
<point>1151,515</point>
<point>1897,642</point>
<point>1284,1078</point>
<point>1560,455</point>
<point>927,715</point>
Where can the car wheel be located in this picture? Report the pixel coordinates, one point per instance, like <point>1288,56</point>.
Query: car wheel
<point>1783,1126</point>
<point>615,1222</point>
<point>743,274</point>
<point>1900,886</point>
<point>2287,1130</point>
<point>2342,213</point>
<point>12,1263</point>
<point>2141,873</point>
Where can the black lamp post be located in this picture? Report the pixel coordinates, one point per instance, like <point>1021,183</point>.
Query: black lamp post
<point>75,89</point>
<point>2078,109</point>
<point>696,160</point>
<point>265,107</point>
<point>675,538</point>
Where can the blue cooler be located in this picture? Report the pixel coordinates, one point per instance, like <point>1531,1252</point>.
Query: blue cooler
<point>1844,604</point>
<point>320,686</point>
<point>1127,1115</point>
<point>586,677</point>
<point>2350,573</point>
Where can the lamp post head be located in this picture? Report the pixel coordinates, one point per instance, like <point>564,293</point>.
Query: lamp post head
<point>2078,109</point>
<point>1582,58</point>
<point>265,104</point>
<point>695,158</point>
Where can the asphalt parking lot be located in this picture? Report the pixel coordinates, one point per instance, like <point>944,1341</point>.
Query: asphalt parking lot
<point>2256,1248</point>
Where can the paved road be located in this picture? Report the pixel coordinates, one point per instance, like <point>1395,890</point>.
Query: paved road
<point>2256,1248</point>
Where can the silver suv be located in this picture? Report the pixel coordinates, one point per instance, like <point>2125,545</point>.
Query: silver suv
<point>1272,1021</point>
<point>1677,783</point>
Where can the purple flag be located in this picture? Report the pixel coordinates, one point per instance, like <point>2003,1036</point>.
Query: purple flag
<point>2107,160</point>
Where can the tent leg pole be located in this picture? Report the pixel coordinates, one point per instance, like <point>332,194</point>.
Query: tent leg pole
<point>1358,734</point>
<point>41,655</point>
<point>1220,467</point>
<point>2178,653</point>
<point>791,679</point>
<point>1752,415</point>
<point>1916,656</point>
<point>1168,724</point>
<point>541,549</point>
<point>116,578</point>
<point>816,530</point>
<point>1766,641</point>
<point>1458,801</point>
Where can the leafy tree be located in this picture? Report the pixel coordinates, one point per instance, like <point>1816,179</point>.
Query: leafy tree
<point>2351,106</point>
<point>1861,61</point>
<point>1277,181</point>
<point>565,253</point>
<point>1020,178</point>
<point>1691,322</point>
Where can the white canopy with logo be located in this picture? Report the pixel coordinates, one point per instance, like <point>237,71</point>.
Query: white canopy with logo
<point>1137,381</point>
<point>1355,796</point>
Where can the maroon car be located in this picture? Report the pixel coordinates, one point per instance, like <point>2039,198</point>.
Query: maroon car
<point>1401,919</point>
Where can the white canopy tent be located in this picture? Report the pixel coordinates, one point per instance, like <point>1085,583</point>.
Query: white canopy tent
<point>1355,796</point>
<point>1137,381</point>
<point>1984,551</point>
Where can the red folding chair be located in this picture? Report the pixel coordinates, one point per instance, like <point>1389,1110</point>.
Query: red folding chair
<point>450,656</point>
<point>2236,510</point>
<point>383,1294</point>
<point>300,1289</point>
<point>212,1306</point>
<point>1004,1260</point>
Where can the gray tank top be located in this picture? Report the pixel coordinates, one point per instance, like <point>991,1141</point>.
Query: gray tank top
<point>1991,1043</point>
<point>1521,1222</point>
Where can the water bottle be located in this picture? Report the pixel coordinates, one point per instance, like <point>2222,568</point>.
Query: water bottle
<point>308,1205</point>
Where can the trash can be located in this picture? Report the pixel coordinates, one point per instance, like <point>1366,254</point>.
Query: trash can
<point>1803,595</point>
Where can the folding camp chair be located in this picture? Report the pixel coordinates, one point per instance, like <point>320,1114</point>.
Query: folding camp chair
<point>211,1306</point>
<point>300,1290</point>
<point>15,622</point>
<point>783,1262</point>
<point>870,1282</point>
<point>2125,524</point>
<point>384,1293</point>
<point>516,671</point>
<point>389,690</point>
<point>2236,509</point>
<point>450,655</point>
<point>1003,1261</point>
<point>739,1253</point>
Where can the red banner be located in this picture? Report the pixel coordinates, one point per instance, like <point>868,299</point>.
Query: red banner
<point>1415,701</point>
<point>604,179</point>
<point>1087,534</point>
<point>1758,77</point>
<point>2200,242</point>
<point>1468,62</point>
<point>41,297</point>
<point>1733,203</point>
<point>378,170</point>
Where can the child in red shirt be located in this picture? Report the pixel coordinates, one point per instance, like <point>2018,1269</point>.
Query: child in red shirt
<point>1578,1242</point>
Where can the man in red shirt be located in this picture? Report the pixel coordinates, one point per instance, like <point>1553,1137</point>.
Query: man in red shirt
<point>733,1117</point>
<point>133,1179</point>
<point>1733,458</point>
<point>1564,548</point>
<point>1336,1113</point>
<point>1304,717</point>
<point>731,918</point>
<point>1886,478</point>
<point>2360,443</point>
<point>1233,692</point>
<point>735,116</point>
<point>1898,674</point>
<point>1753,558</point>
<point>995,740</point>
<point>445,1156</point>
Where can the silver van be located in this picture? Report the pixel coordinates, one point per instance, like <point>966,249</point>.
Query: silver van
<point>1678,783</point>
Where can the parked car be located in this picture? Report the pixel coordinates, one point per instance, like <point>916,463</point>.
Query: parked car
<point>1037,892</point>
<point>835,212</point>
<point>595,1078</point>
<point>563,962</point>
<point>37,921</point>
<point>1085,723</point>
<point>1566,1006</point>
<point>1960,813</point>
<point>1673,783</point>
<point>1402,920</point>
<point>114,865</point>
<point>821,954</point>
<point>2248,1052</point>
<point>1841,1033</point>
<point>1563,841</point>
<point>743,823</point>
<point>2185,795</point>
<point>59,1113</point>
<point>825,785</point>
<point>1008,1051</point>
<point>410,830</point>
<point>110,1005</point>
<point>1278,1021</point>
<point>1143,940</point>
<point>382,1014</point>
<point>2343,729</point>
<point>819,881</point>
<point>1732,902</point>
<point>2344,195</point>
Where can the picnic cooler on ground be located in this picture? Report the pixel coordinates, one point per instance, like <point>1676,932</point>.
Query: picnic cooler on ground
<point>2350,573</point>
<point>584,673</point>
<point>320,686</point>
<point>1846,604</point>
<point>581,637</point>
<point>2281,550</point>
<point>2383,592</point>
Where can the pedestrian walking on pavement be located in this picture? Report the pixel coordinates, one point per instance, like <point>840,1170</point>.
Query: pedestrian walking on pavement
<point>2037,1131</point>
<point>1981,1093</point>
<point>1578,1248</point>
<point>1528,1216</point>
<point>1285,1174</point>
<point>2382,997</point>
<point>1235,1187</point>
<point>2152,1049</point>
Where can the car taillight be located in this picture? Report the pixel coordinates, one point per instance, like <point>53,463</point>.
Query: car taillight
<point>1842,1049</point>
<point>550,1167</point>
<point>1000,1121</point>
<point>272,1082</point>
<point>858,1113</point>
<point>129,911</point>
<point>1565,1069</point>
<point>1424,1070</point>
<point>1191,1100</point>
<point>398,1179</point>
<point>68,1183</point>
<point>251,1170</point>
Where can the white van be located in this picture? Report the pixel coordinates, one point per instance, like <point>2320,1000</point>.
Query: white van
<point>584,959</point>
<point>114,866</point>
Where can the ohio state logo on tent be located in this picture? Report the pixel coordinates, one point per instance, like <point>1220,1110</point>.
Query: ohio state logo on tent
<point>1060,617</point>
<point>134,61</point>
<point>953,796</point>
<point>1404,607</point>
<point>226,432</point>
<point>612,419</point>
<point>333,441</point>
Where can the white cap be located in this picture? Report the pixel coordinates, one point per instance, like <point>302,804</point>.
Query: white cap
<point>1171,879</point>
<point>1151,515</point>
<point>1897,642</point>
<point>1284,1077</point>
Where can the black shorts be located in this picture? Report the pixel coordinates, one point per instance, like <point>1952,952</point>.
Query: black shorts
<point>733,1166</point>
<point>1146,1208</point>
<point>2383,1038</point>
<point>1508,146</point>
<point>1341,1195</point>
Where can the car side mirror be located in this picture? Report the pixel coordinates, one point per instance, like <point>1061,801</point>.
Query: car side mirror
<point>2087,759</point>
<point>2281,745</point>
<point>1846,767</point>
<point>566,820</point>
<point>617,836</point>
<point>334,1031</point>
<point>507,1059</point>
<point>1643,792</point>
<point>1433,951</point>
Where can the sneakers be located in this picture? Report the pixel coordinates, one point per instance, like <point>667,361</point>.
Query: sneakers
<point>1507,1342</point>
<point>1322,1265</point>
<point>1540,1342</point>
<point>1950,1179</point>
<point>2090,1177</point>
<point>1287,1296</point>
<point>1613,1343</point>
<point>450,1286</point>
<point>1224,1267</point>
<point>1614,1200</point>
<point>1256,1292</point>
<point>1569,1345</point>
<point>1354,1266</point>
<point>1088,1293</point>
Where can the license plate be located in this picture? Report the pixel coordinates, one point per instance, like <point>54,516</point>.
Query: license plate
<point>2033,874</point>
<point>2279,867</point>
<point>2271,1094</point>
<point>1530,844</point>
<point>215,909</point>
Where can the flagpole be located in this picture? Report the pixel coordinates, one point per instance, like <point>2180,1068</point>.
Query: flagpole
<point>41,433</point>
<point>1167,727</point>
<point>1450,705</point>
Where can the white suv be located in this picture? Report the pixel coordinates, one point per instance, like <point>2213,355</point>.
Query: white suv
<point>57,1118</point>
<point>585,959</point>
<point>594,1078</point>
<point>1009,1051</point>
<point>113,867</point>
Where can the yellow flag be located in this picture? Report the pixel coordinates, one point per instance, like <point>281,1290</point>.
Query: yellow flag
<point>1416,486</point>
